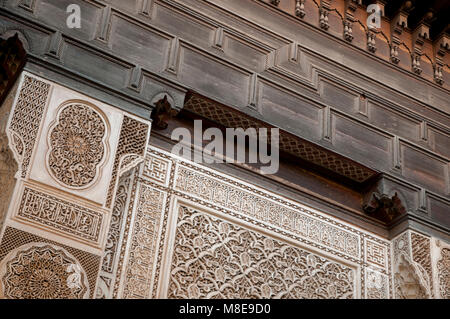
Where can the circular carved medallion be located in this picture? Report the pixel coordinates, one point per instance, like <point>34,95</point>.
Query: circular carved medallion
<point>76,145</point>
<point>42,271</point>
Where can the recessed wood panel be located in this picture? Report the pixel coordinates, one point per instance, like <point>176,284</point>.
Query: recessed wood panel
<point>393,122</point>
<point>440,142</point>
<point>244,54</point>
<point>183,26</point>
<point>424,169</point>
<point>439,210</point>
<point>360,143</point>
<point>90,16</point>
<point>294,114</point>
<point>128,5</point>
<point>338,97</point>
<point>221,81</point>
<point>94,66</point>
<point>137,43</point>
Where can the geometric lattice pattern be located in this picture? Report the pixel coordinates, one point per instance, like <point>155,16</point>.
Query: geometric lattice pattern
<point>421,247</point>
<point>376,254</point>
<point>27,117</point>
<point>132,141</point>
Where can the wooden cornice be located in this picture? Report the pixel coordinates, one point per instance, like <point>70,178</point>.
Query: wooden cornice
<point>317,158</point>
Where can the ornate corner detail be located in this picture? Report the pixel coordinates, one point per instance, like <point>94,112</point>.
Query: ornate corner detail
<point>130,150</point>
<point>407,282</point>
<point>77,145</point>
<point>42,271</point>
<point>412,266</point>
<point>383,207</point>
<point>163,110</point>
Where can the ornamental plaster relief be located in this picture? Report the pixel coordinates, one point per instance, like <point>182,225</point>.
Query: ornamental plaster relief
<point>71,150</point>
<point>167,186</point>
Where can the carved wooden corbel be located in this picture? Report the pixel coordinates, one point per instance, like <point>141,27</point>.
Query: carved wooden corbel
<point>383,207</point>
<point>350,8</point>
<point>162,111</point>
<point>324,11</point>
<point>420,34</point>
<point>275,2</point>
<point>371,44</point>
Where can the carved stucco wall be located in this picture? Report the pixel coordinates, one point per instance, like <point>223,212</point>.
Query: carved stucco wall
<point>191,232</point>
<point>55,224</point>
<point>181,221</point>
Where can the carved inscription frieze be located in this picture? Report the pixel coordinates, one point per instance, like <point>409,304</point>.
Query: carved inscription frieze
<point>139,270</point>
<point>262,209</point>
<point>60,215</point>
